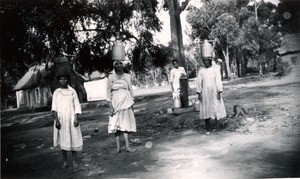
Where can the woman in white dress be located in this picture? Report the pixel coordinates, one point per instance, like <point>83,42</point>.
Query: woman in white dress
<point>209,89</point>
<point>120,100</point>
<point>67,132</point>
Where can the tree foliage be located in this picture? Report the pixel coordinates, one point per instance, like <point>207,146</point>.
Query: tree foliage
<point>149,59</point>
<point>287,16</point>
<point>234,24</point>
<point>35,31</point>
<point>175,8</point>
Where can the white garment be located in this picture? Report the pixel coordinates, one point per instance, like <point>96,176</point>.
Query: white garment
<point>175,77</point>
<point>209,84</point>
<point>120,94</point>
<point>65,102</point>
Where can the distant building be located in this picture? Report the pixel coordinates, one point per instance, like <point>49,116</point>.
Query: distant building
<point>290,51</point>
<point>32,89</point>
<point>35,88</point>
<point>95,86</point>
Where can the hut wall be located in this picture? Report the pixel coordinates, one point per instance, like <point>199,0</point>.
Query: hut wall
<point>34,98</point>
<point>21,99</point>
<point>290,60</point>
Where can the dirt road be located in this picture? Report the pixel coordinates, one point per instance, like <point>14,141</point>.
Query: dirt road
<point>263,143</point>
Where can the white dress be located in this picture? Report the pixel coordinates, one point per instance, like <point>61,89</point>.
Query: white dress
<point>65,102</point>
<point>208,84</point>
<point>120,94</point>
<point>175,77</point>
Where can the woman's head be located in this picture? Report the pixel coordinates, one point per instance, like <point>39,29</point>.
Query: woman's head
<point>175,63</point>
<point>207,62</point>
<point>118,65</point>
<point>63,80</point>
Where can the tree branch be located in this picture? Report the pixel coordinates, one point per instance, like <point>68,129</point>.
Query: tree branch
<point>129,35</point>
<point>183,5</point>
<point>167,4</point>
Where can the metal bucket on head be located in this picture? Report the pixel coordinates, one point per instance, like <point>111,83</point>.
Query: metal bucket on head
<point>118,51</point>
<point>206,49</point>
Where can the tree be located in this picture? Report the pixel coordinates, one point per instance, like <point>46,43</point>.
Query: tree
<point>225,32</point>
<point>150,60</point>
<point>234,24</point>
<point>35,31</point>
<point>213,22</point>
<point>262,33</point>
<point>175,10</point>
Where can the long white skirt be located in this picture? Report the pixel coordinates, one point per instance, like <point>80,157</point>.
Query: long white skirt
<point>210,106</point>
<point>123,120</point>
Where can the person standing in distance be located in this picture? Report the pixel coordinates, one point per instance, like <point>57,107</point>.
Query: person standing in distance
<point>176,73</point>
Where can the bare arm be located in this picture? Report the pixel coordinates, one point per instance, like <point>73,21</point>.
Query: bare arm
<point>130,87</point>
<point>108,96</point>
<point>54,110</point>
<point>56,120</point>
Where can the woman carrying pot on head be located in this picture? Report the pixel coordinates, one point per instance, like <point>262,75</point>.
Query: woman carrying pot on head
<point>66,109</point>
<point>120,100</point>
<point>209,89</point>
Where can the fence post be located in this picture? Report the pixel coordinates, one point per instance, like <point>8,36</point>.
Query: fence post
<point>184,93</point>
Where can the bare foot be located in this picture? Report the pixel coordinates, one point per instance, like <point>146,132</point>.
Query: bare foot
<point>76,166</point>
<point>130,150</point>
<point>117,151</point>
<point>65,165</point>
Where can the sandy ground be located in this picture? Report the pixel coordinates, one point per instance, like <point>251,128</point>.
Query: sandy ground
<point>263,143</point>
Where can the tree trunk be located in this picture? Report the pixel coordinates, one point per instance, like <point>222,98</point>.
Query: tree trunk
<point>237,61</point>
<point>260,66</point>
<point>243,65</point>
<point>176,32</point>
<point>167,70</point>
<point>226,57</point>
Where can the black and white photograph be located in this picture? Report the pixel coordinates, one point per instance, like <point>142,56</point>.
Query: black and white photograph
<point>164,89</point>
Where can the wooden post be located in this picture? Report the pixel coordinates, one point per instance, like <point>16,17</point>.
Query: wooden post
<point>184,93</point>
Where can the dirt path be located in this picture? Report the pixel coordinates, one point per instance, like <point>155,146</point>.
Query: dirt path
<point>264,143</point>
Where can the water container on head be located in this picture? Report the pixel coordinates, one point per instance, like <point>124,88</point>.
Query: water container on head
<point>118,51</point>
<point>206,49</point>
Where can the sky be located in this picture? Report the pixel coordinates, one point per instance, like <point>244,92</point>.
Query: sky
<point>164,36</point>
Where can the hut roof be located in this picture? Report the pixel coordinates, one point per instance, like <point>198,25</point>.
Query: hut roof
<point>32,78</point>
<point>290,43</point>
<point>37,76</point>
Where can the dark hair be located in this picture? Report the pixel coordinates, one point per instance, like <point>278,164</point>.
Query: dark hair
<point>173,61</point>
<point>67,76</point>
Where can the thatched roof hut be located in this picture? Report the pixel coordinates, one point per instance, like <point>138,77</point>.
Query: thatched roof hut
<point>290,52</point>
<point>34,77</point>
<point>290,44</point>
<point>35,88</point>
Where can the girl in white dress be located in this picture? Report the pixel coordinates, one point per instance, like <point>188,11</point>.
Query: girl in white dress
<point>66,108</point>
<point>209,89</point>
